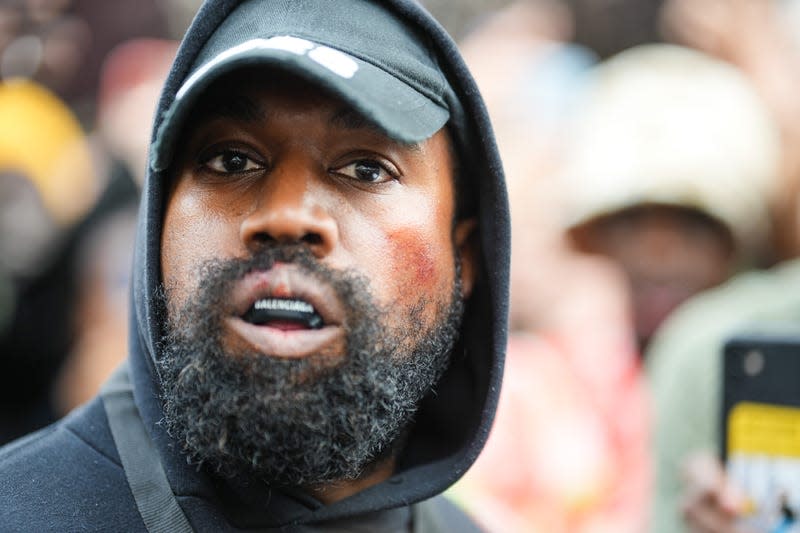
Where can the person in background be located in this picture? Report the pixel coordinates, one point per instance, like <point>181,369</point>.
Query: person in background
<point>81,269</point>
<point>685,360</point>
<point>103,242</point>
<point>530,76</point>
<point>131,78</point>
<point>97,258</point>
<point>573,413</point>
<point>47,183</point>
<point>61,44</point>
<point>672,164</point>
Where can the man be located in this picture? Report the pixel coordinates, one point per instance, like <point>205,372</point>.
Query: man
<point>319,292</point>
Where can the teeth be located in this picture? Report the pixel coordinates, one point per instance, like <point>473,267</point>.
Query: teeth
<point>269,310</point>
<point>276,304</point>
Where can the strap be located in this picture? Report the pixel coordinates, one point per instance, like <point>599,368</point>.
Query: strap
<point>154,498</point>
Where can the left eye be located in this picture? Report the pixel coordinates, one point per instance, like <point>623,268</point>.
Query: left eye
<point>366,170</point>
<point>231,161</point>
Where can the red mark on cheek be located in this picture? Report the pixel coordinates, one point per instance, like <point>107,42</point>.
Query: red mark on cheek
<point>413,256</point>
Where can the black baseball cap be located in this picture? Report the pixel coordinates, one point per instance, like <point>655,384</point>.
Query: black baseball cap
<point>358,50</point>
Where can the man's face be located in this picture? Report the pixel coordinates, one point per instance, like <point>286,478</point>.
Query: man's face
<point>668,253</point>
<point>306,259</point>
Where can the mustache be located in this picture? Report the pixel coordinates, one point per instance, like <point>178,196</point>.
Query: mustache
<point>218,277</point>
<point>267,257</point>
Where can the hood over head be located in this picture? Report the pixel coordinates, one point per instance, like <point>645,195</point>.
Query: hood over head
<point>404,74</point>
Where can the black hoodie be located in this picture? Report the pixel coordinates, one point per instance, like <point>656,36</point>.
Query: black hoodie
<point>68,477</point>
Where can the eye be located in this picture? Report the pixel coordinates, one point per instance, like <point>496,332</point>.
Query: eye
<point>231,162</point>
<point>367,170</point>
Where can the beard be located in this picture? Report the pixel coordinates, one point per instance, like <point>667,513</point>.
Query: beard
<point>298,422</point>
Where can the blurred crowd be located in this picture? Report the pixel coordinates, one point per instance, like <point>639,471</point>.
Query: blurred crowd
<point>652,150</point>
<point>79,82</point>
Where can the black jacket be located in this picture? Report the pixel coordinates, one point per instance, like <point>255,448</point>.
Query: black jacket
<point>68,477</point>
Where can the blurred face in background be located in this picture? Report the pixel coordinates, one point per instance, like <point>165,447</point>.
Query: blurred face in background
<point>668,254</point>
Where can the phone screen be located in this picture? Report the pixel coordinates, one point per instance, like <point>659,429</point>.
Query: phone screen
<point>764,459</point>
<point>761,420</point>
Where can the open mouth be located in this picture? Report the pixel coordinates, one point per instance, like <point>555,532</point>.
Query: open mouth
<point>284,313</point>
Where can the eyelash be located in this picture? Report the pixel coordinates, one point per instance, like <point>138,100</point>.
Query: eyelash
<point>391,173</point>
<point>221,152</point>
<point>254,164</point>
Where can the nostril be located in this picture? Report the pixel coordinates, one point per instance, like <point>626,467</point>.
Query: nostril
<point>263,237</point>
<point>279,226</point>
<point>312,238</point>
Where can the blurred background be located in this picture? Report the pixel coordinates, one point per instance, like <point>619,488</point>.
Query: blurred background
<point>651,149</point>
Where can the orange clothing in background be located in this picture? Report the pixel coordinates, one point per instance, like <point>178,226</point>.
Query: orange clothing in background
<point>569,451</point>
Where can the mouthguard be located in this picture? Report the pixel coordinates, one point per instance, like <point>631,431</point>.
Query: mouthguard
<point>277,309</point>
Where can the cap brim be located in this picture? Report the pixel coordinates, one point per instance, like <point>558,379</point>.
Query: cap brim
<point>403,113</point>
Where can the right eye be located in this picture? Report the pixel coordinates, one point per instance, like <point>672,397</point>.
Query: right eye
<point>232,162</point>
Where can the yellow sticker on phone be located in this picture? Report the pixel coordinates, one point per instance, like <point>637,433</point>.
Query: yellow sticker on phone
<point>764,429</point>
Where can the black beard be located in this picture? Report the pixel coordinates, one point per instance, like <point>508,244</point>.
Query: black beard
<point>298,422</point>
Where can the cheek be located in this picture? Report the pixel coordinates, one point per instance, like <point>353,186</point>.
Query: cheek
<point>417,252</point>
<point>710,265</point>
<point>192,234</point>
<point>419,263</point>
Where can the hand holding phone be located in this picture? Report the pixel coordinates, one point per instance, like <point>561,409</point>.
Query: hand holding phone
<point>761,429</point>
<point>712,504</point>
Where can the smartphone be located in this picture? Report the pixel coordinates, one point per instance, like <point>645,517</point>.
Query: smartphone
<point>761,427</point>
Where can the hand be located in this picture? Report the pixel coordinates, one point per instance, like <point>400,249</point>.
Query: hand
<point>712,504</point>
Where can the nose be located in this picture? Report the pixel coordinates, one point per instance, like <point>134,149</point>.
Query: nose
<point>288,211</point>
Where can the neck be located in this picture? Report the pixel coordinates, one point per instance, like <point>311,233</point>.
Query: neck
<point>329,493</point>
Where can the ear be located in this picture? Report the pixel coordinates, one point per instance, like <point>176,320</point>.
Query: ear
<point>465,237</point>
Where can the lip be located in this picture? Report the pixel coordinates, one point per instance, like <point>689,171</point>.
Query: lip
<point>286,281</point>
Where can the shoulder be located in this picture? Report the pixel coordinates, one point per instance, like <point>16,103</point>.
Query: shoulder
<point>66,476</point>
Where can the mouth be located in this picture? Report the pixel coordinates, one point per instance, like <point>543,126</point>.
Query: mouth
<point>283,313</point>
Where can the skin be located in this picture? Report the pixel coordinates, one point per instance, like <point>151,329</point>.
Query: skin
<point>293,165</point>
<point>711,503</point>
<point>667,253</point>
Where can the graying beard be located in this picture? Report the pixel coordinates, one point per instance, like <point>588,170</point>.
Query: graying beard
<point>258,415</point>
